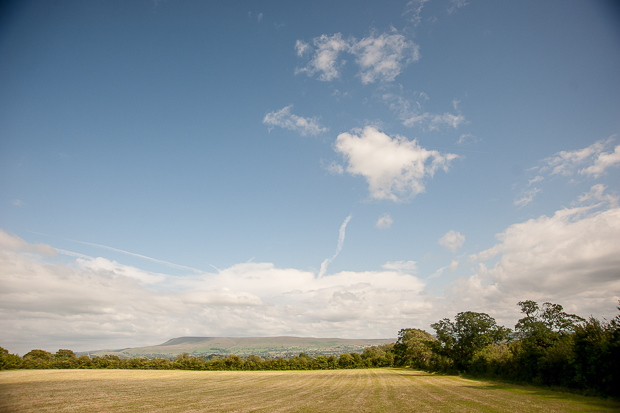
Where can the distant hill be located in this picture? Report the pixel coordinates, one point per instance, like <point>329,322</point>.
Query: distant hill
<point>244,346</point>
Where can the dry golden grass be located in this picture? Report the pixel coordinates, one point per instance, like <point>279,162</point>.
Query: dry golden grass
<point>374,390</point>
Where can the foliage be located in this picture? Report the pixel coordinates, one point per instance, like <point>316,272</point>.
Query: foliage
<point>413,348</point>
<point>469,333</point>
<point>9,361</point>
<point>597,355</point>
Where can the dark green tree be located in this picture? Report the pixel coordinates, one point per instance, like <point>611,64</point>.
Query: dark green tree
<point>470,332</point>
<point>545,350</point>
<point>413,348</point>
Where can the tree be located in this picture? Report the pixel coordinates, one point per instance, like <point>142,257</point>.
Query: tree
<point>543,324</point>
<point>470,332</point>
<point>8,360</point>
<point>545,350</point>
<point>413,348</point>
<point>597,355</point>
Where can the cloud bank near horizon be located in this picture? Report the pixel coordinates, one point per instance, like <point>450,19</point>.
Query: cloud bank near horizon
<point>570,258</point>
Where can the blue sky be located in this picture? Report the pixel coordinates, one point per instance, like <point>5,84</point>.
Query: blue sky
<point>176,168</point>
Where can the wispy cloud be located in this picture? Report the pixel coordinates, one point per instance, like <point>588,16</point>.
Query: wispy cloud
<point>285,119</point>
<point>325,59</point>
<point>412,113</point>
<point>17,202</point>
<point>467,138</point>
<point>409,267</point>
<point>384,221</point>
<point>380,57</point>
<point>341,235</point>
<point>526,197</point>
<point>597,194</point>
<point>133,254</point>
<point>413,10</point>
<point>452,240</point>
<point>395,168</point>
<point>455,5</point>
<point>592,160</point>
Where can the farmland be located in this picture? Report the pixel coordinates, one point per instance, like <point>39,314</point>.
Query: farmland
<point>366,390</point>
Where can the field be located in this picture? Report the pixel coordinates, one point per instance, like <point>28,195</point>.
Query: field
<point>373,390</point>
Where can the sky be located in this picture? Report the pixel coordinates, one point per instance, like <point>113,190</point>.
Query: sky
<point>328,169</point>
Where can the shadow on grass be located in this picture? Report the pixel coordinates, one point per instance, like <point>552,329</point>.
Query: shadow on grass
<point>555,395</point>
<point>559,395</point>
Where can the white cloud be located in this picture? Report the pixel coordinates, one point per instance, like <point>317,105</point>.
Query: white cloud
<point>325,59</point>
<point>452,240</point>
<point>597,194</point>
<point>571,258</point>
<point>380,57</point>
<point>285,119</point>
<point>95,303</point>
<point>526,197</point>
<point>383,57</point>
<point>384,221</point>
<point>13,243</point>
<point>395,168</point>
<point>17,202</point>
<point>409,267</point>
<point>259,17</point>
<point>333,168</point>
<point>603,161</point>
<point>302,48</point>
<point>593,160</point>
<point>412,114</point>
<point>414,9</point>
<point>453,265</point>
<point>534,180</point>
<point>341,235</point>
<point>467,138</point>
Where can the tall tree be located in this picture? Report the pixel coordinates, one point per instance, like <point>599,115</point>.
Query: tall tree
<point>470,332</point>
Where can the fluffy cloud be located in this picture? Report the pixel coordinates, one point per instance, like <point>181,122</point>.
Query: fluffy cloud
<point>380,57</point>
<point>452,240</point>
<point>12,243</point>
<point>592,160</point>
<point>384,221</point>
<point>95,303</point>
<point>413,114</point>
<point>571,258</point>
<point>285,119</point>
<point>325,58</point>
<point>395,168</point>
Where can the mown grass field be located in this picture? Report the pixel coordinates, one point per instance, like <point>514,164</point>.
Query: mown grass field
<point>373,390</point>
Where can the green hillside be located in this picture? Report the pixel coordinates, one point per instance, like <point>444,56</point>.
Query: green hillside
<point>261,346</point>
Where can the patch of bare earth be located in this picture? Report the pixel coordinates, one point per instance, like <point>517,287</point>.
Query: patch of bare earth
<point>374,390</point>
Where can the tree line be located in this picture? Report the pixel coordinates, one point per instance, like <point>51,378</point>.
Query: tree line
<point>547,347</point>
<point>376,356</point>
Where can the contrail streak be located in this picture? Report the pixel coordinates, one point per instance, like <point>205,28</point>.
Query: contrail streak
<point>341,234</point>
<point>169,264</point>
